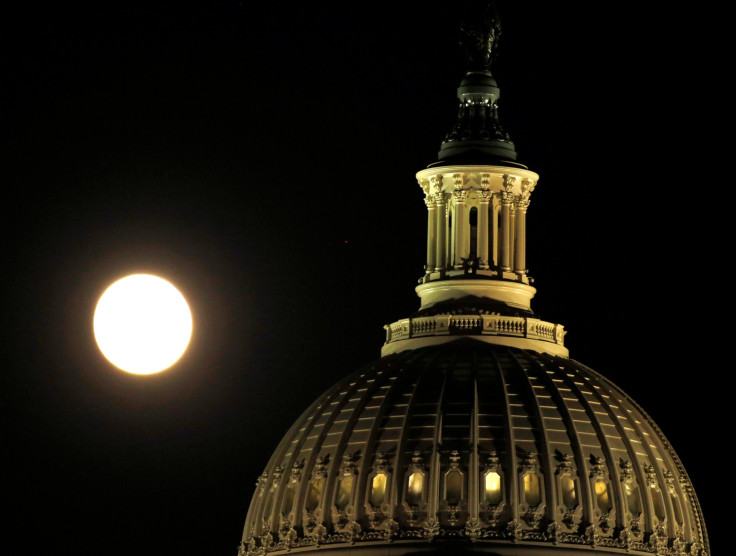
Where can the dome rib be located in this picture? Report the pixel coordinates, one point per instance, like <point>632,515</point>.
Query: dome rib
<point>606,450</point>
<point>692,513</point>
<point>512,463</point>
<point>371,447</point>
<point>576,443</point>
<point>544,453</point>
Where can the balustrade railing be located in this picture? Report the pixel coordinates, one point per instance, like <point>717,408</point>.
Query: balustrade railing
<point>520,327</point>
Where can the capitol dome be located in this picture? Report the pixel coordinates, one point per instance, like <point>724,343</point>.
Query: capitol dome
<point>480,446</point>
<point>475,431</point>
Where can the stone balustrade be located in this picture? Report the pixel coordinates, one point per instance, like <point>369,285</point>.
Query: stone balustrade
<point>495,325</point>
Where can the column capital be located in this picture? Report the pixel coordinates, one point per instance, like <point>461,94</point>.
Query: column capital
<point>484,196</point>
<point>424,184</point>
<point>459,195</point>
<point>431,201</point>
<point>522,203</point>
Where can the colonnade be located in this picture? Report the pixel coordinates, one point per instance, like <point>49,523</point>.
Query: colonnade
<point>475,221</point>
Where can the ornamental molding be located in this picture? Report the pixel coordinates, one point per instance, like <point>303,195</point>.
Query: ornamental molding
<point>381,463</point>
<point>627,472</point>
<point>276,477</point>
<point>435,184</point>
<point>651,476</point>
<point>566,465</point>
<point>529,463</point>
<point>348,467</point>
<point>424,184</point>
<point>597,468</point>
<point>552,534</point>
<point>320,468</point>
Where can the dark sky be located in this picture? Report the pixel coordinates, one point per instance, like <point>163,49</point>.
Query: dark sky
<point>262,158</point>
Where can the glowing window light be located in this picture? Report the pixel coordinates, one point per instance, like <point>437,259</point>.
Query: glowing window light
<point>633,499</point>
<point>569,492</point>
<point>378,490</point>
<point>602,497</point>
<point>344,492</point>
<point>492,493</point>
<point>532,489</point>
<point>314,494</point>
<point>415,489</point>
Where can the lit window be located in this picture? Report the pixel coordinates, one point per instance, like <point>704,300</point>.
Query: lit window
<point>633,499</point>
<point>569,492</point>
<point>378,490</point>
<point>492,494</point>
<point>532,489</point>
<point>344,492</point>
<point>314,494</point>
<point>415,488</point>
<point>602,496</point>
<point>657,502</point>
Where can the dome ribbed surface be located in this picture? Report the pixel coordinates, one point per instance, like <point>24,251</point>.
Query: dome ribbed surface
<point>476,446</point>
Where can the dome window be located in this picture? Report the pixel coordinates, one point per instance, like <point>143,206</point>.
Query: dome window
<point>568,484</point>
<point>268,507</point>
<point>378,481</point>
<point>492,482</point>
<point>294,477</point>
<point>492,490</point>
<point>569,492</point>
<point>533,494</point>
<point>415,482</point>
<point>532,489</point>
<point>669,479</point>
<point>454,481</point>
<point>415,489</point>
<point>378,489</point>
<point>345,484</point>
<point>602,497</point>
<point>633,500</point>
<point>314,491</point>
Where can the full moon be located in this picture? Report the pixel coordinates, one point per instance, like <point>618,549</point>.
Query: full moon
<point>142,324</point>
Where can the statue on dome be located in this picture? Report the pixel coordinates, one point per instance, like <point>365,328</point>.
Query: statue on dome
<point>479,32</point>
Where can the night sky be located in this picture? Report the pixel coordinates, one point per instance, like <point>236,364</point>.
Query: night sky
<point>262,158</point>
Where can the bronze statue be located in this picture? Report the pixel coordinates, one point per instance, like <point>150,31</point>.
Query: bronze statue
<point>479,32</point>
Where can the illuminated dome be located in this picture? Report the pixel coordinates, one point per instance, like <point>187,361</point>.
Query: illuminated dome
<point>475,432</point>
<point>477,446</point>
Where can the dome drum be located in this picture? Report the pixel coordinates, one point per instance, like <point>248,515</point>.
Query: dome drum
<point>489,445</point>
